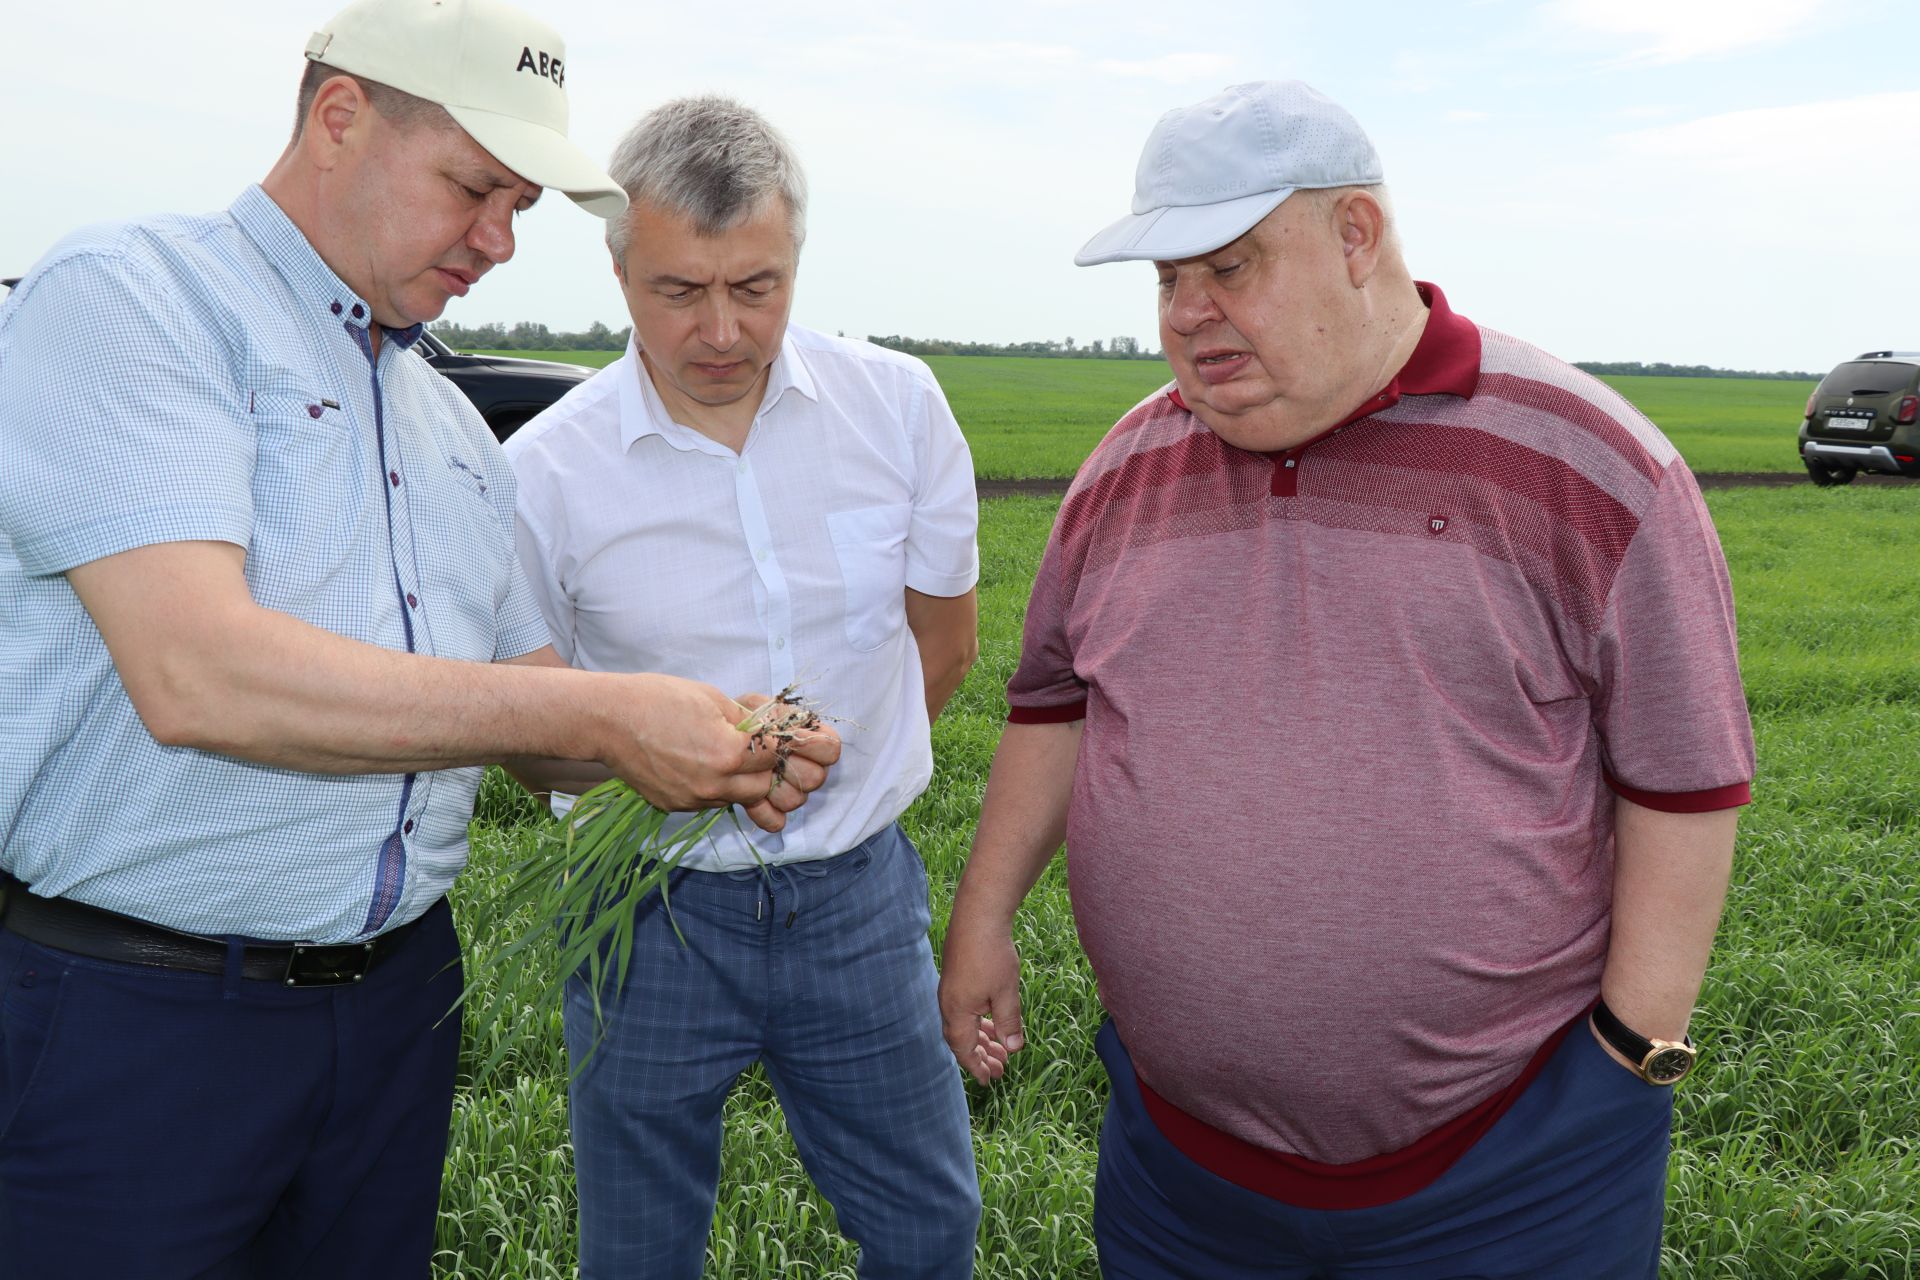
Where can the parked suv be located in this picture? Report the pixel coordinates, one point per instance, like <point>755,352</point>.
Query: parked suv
<point>507,390</point>
<point>1864,416</point>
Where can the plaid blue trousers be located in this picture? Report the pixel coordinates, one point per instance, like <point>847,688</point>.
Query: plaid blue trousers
<point>821,971</point>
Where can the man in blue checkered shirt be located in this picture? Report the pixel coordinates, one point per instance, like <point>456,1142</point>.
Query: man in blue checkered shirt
<point>263,624</point>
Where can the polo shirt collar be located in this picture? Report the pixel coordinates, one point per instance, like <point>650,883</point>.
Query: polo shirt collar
<point>643,413</point>
<point>306,273</point>
<point>1446,361</point>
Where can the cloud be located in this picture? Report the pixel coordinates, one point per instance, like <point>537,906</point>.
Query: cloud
<point>1666,31</point>
<point>1420,72</point>
<point>1172,68</point>
<point>1846,135</point>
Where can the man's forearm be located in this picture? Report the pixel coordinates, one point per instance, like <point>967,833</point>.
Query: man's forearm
<point>279,691</point>
<point>1023,820</point>
<point>207,667</point>
<point>946,630</point>
<point>1669,884</point>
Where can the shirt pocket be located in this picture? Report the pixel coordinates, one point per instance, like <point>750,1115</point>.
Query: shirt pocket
<point>307,525</point>
<point>870,544</point>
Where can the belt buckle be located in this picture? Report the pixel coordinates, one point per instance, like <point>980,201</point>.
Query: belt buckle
<point>310,966</point>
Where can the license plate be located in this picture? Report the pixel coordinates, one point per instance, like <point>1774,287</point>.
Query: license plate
<point>1838,423</point>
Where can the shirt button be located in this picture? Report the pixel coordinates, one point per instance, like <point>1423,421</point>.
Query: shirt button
<point>1289,462</point>
<point>358,311</point>
<point>395,477</point>
<point>413,601</point>
<point>313,411</point>
<point>761,554</point>
<point>779,642</point>
<point>335,308</point>
<point>742,468</point>
<point>407,829</point>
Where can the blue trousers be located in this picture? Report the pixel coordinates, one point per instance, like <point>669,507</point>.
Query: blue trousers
<point>821,971</point>
<point>161,1124</point>
<point>1569,1184</point>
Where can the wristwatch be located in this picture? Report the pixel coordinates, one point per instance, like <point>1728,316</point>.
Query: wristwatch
<point>1658,1061</point>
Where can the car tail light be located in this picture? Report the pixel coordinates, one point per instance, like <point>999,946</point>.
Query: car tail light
<point>1901,457</point>
<point>1810,400</point>
<point>1907,410</point>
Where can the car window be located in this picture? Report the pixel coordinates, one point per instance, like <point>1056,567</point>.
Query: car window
<point>1868,378</point>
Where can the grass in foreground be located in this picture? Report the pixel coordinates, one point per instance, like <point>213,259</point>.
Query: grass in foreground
<point>1797,1152</point>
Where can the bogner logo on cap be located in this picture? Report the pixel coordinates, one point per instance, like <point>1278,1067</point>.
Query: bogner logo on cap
<point>542,64</point>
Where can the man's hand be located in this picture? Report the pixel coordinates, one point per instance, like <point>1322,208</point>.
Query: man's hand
<point>809,755</point>
<point>980,999</point>
<point>678,743</point>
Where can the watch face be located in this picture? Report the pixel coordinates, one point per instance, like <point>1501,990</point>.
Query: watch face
<point>1669,1065</point>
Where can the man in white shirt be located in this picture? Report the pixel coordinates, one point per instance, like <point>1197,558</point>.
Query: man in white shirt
<point>753,503</point>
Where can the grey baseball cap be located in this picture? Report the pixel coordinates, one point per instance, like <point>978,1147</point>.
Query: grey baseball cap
<point>1212,170</point>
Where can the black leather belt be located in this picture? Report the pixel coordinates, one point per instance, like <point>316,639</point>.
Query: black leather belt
<point>66,925</point>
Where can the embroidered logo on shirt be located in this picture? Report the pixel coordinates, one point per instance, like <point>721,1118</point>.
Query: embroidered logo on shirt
<point>1436,524</point>
<point>479,481</point>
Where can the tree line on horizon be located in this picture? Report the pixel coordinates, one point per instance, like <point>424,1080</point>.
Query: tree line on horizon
<point>530,337</point>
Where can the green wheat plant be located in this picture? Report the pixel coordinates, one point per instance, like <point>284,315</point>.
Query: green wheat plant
<point>580,889</point>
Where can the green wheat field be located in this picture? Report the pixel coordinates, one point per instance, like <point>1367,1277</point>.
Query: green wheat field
<point>1797,1145</point>
<point>1026,416</point>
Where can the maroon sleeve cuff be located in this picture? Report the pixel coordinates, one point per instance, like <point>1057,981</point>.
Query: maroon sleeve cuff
<point>1048,715</point>
<point>1730,797</point>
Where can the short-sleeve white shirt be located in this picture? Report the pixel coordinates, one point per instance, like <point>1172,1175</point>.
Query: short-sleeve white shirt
<point>652,547</point>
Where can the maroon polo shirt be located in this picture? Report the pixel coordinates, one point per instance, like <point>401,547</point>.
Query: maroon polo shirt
<point>1340,841</point>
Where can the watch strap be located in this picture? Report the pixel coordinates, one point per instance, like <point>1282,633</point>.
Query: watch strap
<point>1631,1045</point>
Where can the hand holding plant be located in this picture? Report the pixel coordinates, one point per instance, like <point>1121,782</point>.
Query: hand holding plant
<point>589,873</point>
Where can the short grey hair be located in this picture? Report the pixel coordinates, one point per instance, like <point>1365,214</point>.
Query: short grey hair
<point>396,106</point>
<point>710,159</point>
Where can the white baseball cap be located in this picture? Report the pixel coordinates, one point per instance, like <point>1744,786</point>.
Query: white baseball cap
<point>499,73</point>
<point>1212,170</point>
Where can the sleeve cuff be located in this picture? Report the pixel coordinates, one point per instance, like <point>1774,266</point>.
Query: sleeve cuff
<point>1728,797</point>
<point>1064,714</point>
<point>56,551</point>
<point>930,582</point>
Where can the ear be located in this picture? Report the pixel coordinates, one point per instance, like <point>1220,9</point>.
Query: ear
<point>340,114</point>
<point>1362,226</point>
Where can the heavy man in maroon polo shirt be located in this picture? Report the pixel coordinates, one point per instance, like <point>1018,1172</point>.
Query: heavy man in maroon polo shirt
<point>1380,676</point>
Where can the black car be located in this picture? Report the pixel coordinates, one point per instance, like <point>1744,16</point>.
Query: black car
<point>507,390</point>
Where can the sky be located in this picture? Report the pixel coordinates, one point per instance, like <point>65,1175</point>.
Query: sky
<point>1723,182</point>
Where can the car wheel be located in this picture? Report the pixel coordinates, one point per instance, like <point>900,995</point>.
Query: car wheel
<point>1826,475</point>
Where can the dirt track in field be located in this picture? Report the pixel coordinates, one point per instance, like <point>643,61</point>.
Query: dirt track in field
<point>1052,487</point>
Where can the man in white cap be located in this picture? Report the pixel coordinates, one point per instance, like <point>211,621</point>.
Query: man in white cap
<point>1380,674</point>
<point>264,620</point>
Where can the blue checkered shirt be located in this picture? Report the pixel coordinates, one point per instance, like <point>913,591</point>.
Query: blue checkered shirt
<point>210,378</point>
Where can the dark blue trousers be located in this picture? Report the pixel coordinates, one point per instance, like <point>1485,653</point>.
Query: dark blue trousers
<point>159,1124</point>
<point>1569,1184</point>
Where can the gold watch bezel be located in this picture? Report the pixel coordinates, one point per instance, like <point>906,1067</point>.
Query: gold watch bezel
<point>1658,1047</point>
